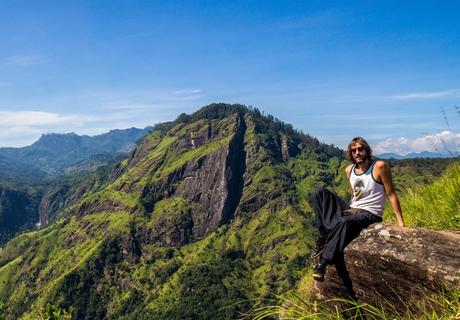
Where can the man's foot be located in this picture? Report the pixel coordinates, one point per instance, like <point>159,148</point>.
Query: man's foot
<point>318,250</point>
<point>319,272</point>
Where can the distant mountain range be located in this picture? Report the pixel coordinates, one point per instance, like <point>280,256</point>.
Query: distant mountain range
<point>37,180</point>
<point>412,155</point>
<point>53,153</point>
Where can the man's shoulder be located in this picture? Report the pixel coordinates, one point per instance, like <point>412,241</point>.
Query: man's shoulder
<point>348,170</point>
<point>380,164</point>
<point>381,167</point>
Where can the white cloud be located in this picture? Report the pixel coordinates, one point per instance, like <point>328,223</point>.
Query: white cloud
<point>193,91</point>
<point>39,118</point>
<point>425,95</point>
<point>20,128</point>
<point>95,112</point>
<point>442,142</point>
<point>13,133</point>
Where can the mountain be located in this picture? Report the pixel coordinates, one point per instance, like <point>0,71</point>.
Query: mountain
<point>78,179</point>
<point>53,152</point>
<point>53,172</point>
<point>207,214</point>
<point>412,155</point>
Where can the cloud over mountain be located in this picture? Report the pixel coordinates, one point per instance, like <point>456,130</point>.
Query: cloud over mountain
<point>442,142</point>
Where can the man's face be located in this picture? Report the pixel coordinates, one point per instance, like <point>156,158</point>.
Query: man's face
<point>358,153</point>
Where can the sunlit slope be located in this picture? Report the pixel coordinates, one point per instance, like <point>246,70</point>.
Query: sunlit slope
<point>209,211</point>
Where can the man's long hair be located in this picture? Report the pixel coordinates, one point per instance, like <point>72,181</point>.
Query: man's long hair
<point>362,142</point>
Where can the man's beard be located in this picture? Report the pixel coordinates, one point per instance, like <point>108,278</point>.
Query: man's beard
<point>363,159</point>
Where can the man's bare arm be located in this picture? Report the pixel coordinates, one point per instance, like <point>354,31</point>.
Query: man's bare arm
<point>347,173</point>
<point>384,173</point>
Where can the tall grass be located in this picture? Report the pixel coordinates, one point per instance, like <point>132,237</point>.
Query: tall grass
<point>294,306</point>
<point>435,206</point>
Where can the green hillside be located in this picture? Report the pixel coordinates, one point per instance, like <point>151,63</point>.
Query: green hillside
<point>408,173</point>
<point>38,181</point>
<point>208,213</point>
<point>435,205</point>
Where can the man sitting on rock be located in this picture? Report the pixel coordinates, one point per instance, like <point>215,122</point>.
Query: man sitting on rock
<point>339,223</point>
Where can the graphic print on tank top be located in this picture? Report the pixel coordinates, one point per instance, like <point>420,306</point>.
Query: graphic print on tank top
<point>358,189</point>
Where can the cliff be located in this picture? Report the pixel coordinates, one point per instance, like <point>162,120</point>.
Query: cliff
<point>208,211</point>
<point>396,266</point>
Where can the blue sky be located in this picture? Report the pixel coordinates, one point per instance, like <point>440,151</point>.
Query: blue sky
<point>385,70</point>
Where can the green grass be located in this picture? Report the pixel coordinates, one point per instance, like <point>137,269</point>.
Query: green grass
<point>436,205</point>
<point>170,211</point>
<point>295,306</point>
<point>193,154</point>
<point>156,148</point>
<point>108,194</point>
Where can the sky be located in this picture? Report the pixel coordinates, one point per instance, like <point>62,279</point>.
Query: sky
<point>385,70</point>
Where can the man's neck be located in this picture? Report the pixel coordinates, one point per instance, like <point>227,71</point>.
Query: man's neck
<point>363,165</point>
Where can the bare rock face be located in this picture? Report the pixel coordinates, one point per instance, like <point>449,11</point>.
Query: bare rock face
<point>211,183</point>
<point>398,265</point>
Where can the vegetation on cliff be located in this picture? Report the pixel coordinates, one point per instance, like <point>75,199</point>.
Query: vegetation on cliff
<point>209,211</point>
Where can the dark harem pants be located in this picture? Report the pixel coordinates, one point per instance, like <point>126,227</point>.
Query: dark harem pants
<point>337,228</point>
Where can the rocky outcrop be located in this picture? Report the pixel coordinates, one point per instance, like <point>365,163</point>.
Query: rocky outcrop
<point>212,182</point>
<point>397,265</point>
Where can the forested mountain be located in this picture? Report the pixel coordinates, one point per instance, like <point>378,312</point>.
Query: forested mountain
<point>39,180</point>
<point>207,212</point>
<point>408,173</point>
<point>53,153</point>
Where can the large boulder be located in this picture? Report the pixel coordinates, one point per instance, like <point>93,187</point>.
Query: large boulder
<point>397,266</point>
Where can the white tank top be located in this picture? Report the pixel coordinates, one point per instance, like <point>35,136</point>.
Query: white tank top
<point>368,194</point>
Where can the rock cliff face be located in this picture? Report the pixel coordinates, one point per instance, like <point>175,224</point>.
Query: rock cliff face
<point>399,265</point>
<point>212,182</point>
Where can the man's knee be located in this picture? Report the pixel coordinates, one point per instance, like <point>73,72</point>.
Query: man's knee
<point>320,191</point>
<point>316,195</point>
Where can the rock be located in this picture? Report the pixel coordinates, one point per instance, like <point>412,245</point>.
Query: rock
<point>398,265</point>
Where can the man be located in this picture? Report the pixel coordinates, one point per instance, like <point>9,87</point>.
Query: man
<point>338,223</point>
